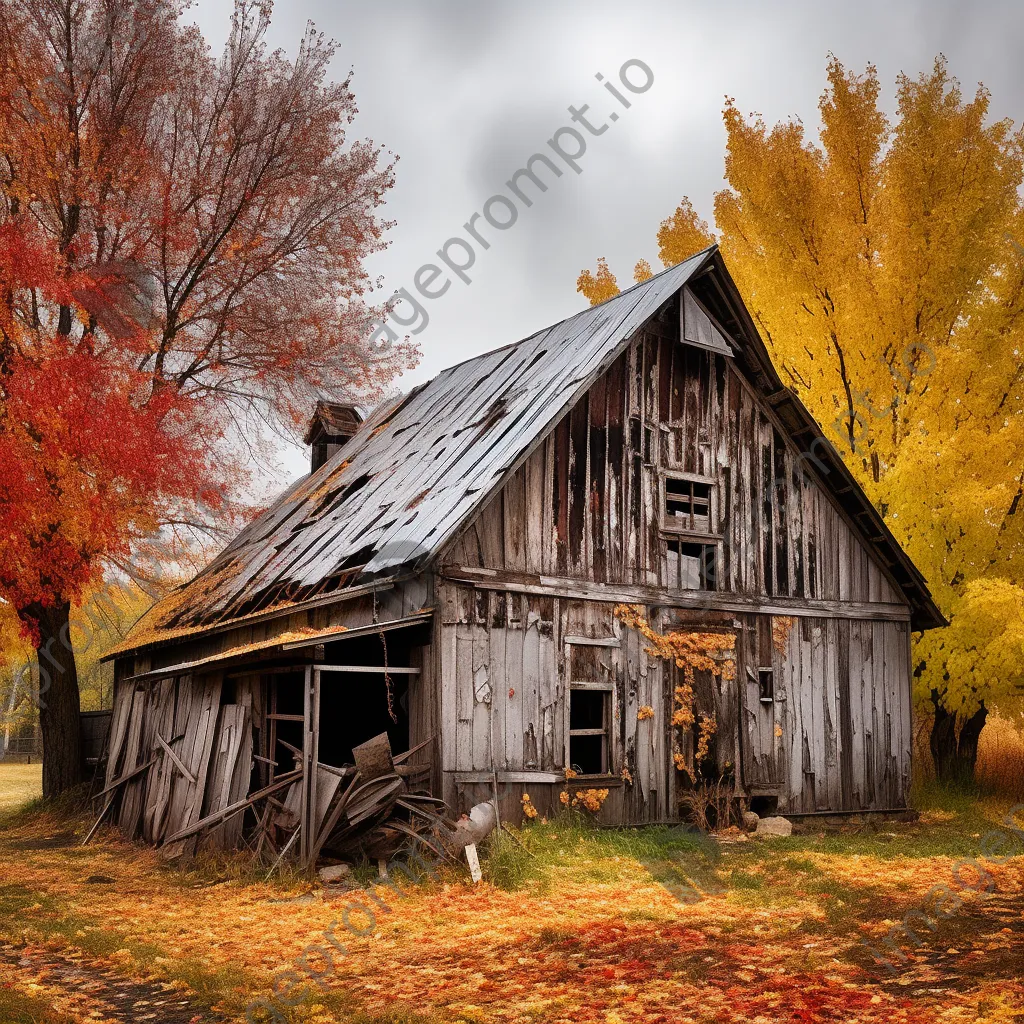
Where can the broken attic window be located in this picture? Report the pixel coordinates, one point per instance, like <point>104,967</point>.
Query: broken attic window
<point>687,505</point>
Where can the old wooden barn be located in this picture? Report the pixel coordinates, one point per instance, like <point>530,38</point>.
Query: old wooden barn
<point>449,573</point>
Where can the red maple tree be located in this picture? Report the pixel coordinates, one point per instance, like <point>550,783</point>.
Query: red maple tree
<point>182,240</point>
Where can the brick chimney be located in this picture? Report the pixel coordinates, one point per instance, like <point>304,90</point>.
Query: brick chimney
<point>332,426</point>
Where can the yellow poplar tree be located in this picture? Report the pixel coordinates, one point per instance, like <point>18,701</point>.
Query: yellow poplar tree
<point>883,263</point>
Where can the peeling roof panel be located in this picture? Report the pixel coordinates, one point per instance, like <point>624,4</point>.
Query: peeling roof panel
<point>413,472</point>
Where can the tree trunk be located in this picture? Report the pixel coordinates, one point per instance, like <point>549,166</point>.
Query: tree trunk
<point>955,753</point>
<point>59,703</point>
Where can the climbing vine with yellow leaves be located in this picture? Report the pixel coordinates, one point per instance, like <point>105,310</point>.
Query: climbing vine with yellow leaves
<point>692,652</point>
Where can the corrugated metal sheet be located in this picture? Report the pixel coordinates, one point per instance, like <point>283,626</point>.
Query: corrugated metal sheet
<point>414,471</point>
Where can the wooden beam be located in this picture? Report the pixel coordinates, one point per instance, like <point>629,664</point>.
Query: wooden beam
<point>124,778</point>
<point>307,742</point>
<point>593,641</point>
<point>350,632</point>
<point>393,670</point>
<point>699,600</point>
<point>241,805</point>
<point>346,594</point>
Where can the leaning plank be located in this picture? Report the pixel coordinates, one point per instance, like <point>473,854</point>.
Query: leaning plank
<point>96,823</point>
<point>158,783</point>
<point>130,809</point>
<point>174,758</point>
<point>200,704</point>
<point>218,816</point>
<point>327,785</point>
<point>381,796</point>
<point>329,825</point>
<point>229,774</point>
<point>124,778</point>
<point>280,857</point>
<point>402,758</point>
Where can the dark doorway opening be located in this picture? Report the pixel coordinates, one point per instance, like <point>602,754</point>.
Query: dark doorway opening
<point>354,707</point>
<point>355,704</point>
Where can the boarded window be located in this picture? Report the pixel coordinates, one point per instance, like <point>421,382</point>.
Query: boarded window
<point>687,505</point>
<point>691,566</point>
<point>585,663</point>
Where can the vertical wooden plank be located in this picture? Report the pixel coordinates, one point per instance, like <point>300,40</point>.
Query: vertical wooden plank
<point>448,681</point>
<point>867,689</point>
<point>906,680</point>
<point>832,717</point>
<point>483,698</point>
<point>578,487</point>
<point>616,475</point>
<point>514,515</point>
<point>598,510</point>
<point>499,679</point>
<point>855,704</point>
<point>780,514</point>
<point>795,713</point>
<point>307,753</point>
<point>549,528</point>
<point>514,680</point>
<point>464,697</point>
<point>560,496</point>
<point>534,522</point>
<point>816,797</point>
<point>531,686</point>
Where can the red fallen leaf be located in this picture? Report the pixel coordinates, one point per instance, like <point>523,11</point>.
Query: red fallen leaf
<point>609,972</point>
<point>511,692</point>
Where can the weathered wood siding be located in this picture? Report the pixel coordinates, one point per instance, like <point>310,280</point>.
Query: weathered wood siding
<point>581,519</point>
<point>587,502</point>
<point>846,715</point>
<point>504,702</point>
<point>838,734</point>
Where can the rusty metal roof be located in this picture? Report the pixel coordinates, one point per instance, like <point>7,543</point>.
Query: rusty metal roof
<point>419,466</point>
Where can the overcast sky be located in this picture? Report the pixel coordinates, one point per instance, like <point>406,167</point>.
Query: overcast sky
<point>465,92</point>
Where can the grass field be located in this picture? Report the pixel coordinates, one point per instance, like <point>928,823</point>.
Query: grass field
<point>583,925</point>
<point>19,783</point>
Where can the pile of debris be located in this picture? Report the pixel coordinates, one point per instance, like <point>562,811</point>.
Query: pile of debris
<point>369,810</point>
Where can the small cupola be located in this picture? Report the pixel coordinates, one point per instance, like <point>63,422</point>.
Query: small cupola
<point>332,426</point>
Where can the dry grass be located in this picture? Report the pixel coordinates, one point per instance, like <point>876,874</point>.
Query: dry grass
<point>19,783</point>
<point>1000,766</point>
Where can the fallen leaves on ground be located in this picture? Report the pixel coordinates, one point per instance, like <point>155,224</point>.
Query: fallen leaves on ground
<point>783,940</point>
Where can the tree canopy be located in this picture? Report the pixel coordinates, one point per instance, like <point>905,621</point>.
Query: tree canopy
<point>182,239</point>
<point>883,263</point>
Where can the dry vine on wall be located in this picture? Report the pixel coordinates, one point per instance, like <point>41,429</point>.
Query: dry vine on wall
<point>692,652</point>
